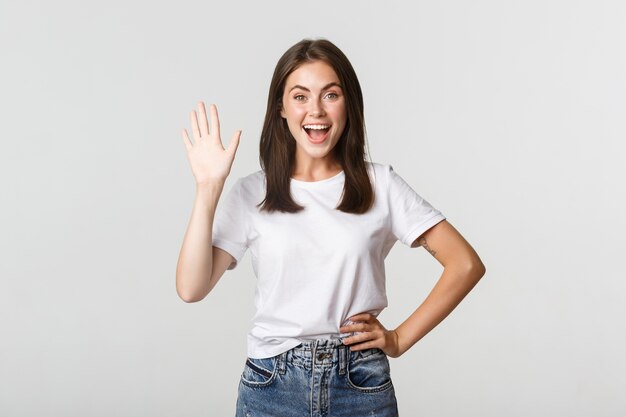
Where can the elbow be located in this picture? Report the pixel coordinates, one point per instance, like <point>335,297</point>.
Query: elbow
<point>477,269</point>
<point>189,298</point>
<point>187,295</point>
<point>474,269</point>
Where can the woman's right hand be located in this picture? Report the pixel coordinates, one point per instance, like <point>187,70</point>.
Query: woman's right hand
<point>210,162</point>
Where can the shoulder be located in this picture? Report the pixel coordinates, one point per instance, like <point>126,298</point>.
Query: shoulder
<point>252,179</point>
<point>380,174</point>
<point>378,168</point>
<point>391,184</point>
<point>250,187</point>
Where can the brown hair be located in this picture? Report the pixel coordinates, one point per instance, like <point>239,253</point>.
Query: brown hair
<point>278,147</point>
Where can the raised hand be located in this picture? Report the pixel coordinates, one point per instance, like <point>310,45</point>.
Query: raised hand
<point>209,161</point>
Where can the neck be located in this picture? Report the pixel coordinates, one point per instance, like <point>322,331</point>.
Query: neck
<point>316,169</point>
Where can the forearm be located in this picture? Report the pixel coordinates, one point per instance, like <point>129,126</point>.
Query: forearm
<point>195,261</point>
<point>453,285</point>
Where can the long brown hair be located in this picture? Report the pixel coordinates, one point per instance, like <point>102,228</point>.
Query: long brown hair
<point>278,147</point>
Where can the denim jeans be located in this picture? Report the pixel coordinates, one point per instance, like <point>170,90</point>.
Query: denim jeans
<point>318,378</point>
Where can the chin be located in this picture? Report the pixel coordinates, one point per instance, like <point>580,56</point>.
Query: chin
<point>317,149</point>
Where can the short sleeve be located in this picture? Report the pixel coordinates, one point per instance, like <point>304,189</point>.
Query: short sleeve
<point>411,215</point>
<point>229,224</point>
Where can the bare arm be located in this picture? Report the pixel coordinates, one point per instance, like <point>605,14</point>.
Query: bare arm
<point>200,264</point>
<point>462,271</point>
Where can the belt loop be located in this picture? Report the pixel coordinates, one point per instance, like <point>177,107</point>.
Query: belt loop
<point>343,360</point>
<point>282,363</point>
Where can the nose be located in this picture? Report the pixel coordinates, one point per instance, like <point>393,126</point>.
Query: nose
<point>316,110</point>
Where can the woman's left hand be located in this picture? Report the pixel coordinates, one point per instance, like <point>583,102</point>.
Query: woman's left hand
<point>372,334</point>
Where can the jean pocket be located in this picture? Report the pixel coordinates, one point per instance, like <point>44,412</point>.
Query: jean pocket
<point>259,372</point>
<point>368,371</point>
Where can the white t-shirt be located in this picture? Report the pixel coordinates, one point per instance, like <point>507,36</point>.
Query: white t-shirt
<point>318,267</point>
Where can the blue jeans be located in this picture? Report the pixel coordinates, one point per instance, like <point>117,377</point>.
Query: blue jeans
<point>318,378</point>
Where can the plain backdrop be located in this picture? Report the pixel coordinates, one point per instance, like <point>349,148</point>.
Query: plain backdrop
<point>508,116</point>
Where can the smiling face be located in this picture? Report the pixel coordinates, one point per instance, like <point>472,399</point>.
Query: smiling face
<point>314,107</point>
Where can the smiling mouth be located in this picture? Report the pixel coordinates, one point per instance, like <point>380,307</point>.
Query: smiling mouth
<point>317,132</point>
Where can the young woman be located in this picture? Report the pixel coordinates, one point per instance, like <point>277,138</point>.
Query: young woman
<point>319,221</point>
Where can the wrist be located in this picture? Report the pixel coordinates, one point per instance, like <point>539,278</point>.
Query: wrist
<point>208,193</point>
<point>401,343</point>
<point>210,185</point>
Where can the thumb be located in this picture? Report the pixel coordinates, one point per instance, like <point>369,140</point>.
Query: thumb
<point>234,142</point>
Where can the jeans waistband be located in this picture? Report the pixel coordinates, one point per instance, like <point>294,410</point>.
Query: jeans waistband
<point>319,344</point>
<point>319,352</point>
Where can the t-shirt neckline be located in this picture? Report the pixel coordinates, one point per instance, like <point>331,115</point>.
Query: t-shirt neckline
<point>326,181</point>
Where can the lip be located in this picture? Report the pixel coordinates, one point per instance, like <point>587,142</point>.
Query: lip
<point>313,141</point>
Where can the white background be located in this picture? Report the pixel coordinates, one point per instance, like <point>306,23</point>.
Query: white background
<point>504,115</point>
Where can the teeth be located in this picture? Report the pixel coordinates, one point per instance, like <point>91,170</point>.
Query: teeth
<point>317,127</point>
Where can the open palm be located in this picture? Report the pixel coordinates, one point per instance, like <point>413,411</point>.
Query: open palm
<point>209,160</point>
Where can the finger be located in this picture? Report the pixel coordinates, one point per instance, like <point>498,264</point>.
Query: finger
<point>361,317</point>
<point>234,142</point>
<point>358,338</point>
<point>194,126</point>
<point>204,122</point>
<point>215,121</point>
<point>188,143</point>
<point>356,327</point>
<point>365,345</point>
<point>364,339</point>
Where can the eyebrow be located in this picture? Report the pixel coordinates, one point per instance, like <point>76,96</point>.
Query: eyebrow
<point>326,87</point>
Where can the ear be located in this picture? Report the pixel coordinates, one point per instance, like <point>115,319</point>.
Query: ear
<point>282,112</point>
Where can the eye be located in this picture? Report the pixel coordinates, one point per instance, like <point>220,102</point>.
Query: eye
<point>332,96</point>
<point>299,97</point>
